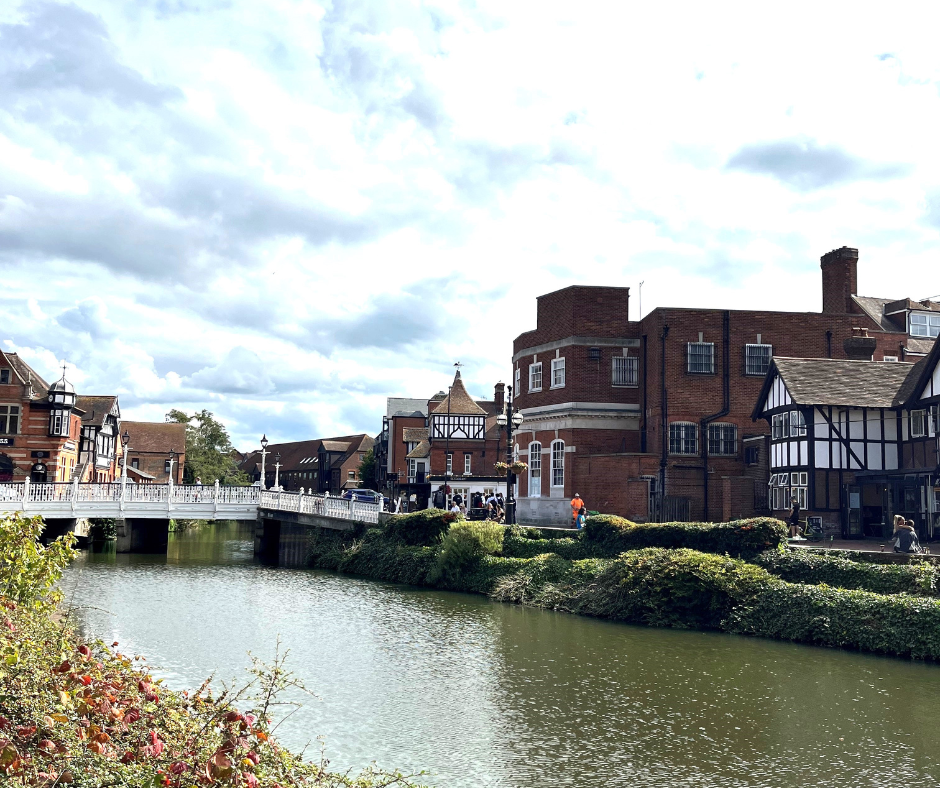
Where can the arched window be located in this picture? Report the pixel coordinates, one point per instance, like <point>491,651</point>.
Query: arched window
<point>558,463</point>
<point>535,470</point>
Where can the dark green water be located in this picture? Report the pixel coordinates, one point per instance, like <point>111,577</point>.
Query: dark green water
<point>484,694</point>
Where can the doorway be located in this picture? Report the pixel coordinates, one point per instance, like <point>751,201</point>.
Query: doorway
<point>39,474</point>
<point>6,468</point>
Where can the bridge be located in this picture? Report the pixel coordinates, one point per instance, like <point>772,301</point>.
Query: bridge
<point>143,511</point>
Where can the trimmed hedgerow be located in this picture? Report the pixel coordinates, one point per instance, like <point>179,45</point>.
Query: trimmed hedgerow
<point>815,568</point>
<point>426,527</point>
<point>517,546</point>
<point>608,534</point>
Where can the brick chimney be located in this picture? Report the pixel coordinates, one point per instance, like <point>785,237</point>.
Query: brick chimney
<point>860,346</point>
<point>499,396</point>
<point>839,280</point>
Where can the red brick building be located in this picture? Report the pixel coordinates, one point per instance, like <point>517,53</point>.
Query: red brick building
<point>152,448</point>
<point>318,466</point>
<point>651,419</point>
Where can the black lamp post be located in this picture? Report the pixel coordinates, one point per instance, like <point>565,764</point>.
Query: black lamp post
<point>511,420</point>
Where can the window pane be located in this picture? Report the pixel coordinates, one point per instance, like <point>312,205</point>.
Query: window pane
<point>558,464</point>
<point>757,359</point>
<point>625,370</point>
<point>701,357</point>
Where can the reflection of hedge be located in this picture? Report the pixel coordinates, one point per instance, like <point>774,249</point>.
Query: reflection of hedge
<point>814,568</point>
<point>426,527</point>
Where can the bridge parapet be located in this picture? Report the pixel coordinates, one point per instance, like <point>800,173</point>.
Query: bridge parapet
<point>321,506</point>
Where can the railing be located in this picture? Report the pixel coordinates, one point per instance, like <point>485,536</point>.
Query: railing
<point>323,505</point>
<point>34,495</point>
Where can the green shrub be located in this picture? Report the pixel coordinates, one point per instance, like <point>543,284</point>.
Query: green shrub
<point>897,624</point>
<point>426,527</point>
<point>610,535</point>
<point>522,547</point>
<point>29,570</point>
<point>102,528</point>
<point>466,543</point>
<point>816,567</point>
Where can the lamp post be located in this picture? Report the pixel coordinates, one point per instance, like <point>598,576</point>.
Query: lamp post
<point>264,453</point>
<point>125,439</point>
<point>277,471</point>
<point>172,463</point>
<point>511,420</point>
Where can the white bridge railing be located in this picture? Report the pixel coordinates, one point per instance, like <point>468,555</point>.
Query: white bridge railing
<point>324,505</point>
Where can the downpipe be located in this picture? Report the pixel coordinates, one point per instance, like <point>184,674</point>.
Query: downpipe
<point>726,403</point>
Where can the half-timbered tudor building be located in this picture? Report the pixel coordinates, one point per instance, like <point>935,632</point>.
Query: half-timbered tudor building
<point>854,442</point>
<point>98,450</point>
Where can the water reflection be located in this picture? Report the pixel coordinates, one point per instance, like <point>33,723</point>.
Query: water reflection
<point>493,695</point>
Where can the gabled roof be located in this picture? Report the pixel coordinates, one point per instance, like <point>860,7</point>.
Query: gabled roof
<point>875,309</point>
<point>96,409</point>
<point>414,434</point>
<point>335,445</point>
<point>423,449</point>
<point>925,368</point>
<point>158,437</point>
<point>920,345</point>
<point>459,402</point>
<point>25,372</point>
<point>846,383</point>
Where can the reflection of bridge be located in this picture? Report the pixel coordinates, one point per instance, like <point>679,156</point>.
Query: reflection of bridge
<point>143,511</point>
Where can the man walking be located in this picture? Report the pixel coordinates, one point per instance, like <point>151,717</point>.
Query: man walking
<point>576,505</point>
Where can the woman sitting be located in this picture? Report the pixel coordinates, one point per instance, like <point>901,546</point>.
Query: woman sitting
<point>906,537</point>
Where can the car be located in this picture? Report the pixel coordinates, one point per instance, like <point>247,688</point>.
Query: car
<point>365,496</point>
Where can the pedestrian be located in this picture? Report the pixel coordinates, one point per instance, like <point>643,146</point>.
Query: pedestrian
<point>582,517</point>
<point>478,500</point>
<point>455,507</point>
<point>439,499</point>
<point>576,506</point>
<point>794,518</point>
<point>199,481</point>
<point>907,538</point>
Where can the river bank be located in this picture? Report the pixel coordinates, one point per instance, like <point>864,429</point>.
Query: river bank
<point>660,581</point>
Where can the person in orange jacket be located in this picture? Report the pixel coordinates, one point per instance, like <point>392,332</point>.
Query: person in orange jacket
<point>576,506</point>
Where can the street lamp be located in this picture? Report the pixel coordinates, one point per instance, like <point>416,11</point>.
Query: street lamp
<point>264,453</point>
<point>277,470</point>
<point>125,439</point>
<point>172,463</point>
<point>511,420</point>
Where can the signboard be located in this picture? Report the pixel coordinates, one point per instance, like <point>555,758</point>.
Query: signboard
<point>38,455</point>
<point>814,522</point>
<point>7,442</point>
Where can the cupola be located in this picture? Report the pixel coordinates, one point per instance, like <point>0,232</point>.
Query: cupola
<point>62,393</point>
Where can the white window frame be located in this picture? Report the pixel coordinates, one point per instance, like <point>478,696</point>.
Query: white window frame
<point>933,420</point>
<point>412,469</point>
<point>535,373</point>
<point>722,441</point>
<point>710,356</point>
<point>518,388</point>
<point>7,415</point>
<point>687,437</point>
<point>558,373</point>
<point>797,424</point>
<point>625,371</point>
<point>927,325</point>
<point>890,358</point>
<point>467,464</point>
<point>750,367</point>
<point>558,463</point>
<point>535,470</point>
<point>450,463</point>
<point>918,417</point>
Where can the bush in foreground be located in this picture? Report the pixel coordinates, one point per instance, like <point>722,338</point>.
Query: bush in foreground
<point>465,544</point>
<point>426,527</point>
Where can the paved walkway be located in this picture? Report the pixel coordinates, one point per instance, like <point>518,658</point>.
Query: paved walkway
<point>862,545</point>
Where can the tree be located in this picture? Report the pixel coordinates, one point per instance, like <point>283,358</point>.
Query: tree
<point>367,471</point>
<point>209,450</point>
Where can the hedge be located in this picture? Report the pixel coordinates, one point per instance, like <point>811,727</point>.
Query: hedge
<point>813,567</point>
<point>426,527</point>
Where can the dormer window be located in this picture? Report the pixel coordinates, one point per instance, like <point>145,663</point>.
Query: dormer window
<point>924,325</point>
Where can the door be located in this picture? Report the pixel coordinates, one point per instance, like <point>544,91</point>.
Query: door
<point>853,512</point>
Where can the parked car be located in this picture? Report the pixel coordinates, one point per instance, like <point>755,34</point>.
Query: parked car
<point>366,496</point>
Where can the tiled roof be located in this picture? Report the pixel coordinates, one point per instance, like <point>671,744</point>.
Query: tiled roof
<point>335,445</point>
<point>857,384</point>
<point>95,408</point>
<point>459,401</point>
<point>26,373</point>
<point>397,406</point>
<point>155,436</point>
<point>920,345</point>
<point>423,449</point>
<point>132,471</point>
<point>875,309</point>
<point>909,386</point>
<point>414,434</point>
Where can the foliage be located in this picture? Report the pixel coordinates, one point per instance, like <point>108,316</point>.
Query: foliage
<point>75,712</point>
<point>101,528</point>
<point>209,450</point>
<point>896,624</point>
<point>466,542</point>
<point>518,546</point>
<point>426,527</point>
<point>29,570</point>
<point>815,567</point>
<point>367,471</point>
<point>607,534</point>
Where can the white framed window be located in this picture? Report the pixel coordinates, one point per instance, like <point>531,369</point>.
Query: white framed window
<point>779,426</point>
<point>797,424</point>
<point>9,419</point>
<point>466,464</point>
<point>923,325</point>
<point>558,373</point>
<point>166,466</point>
<point>558,463</point>
<point>412,469</point>
<point>535,470</point>
<point>701,357</point>
<point>683,437</point>
<point>918,423</point>
<point>350,474</point>
<point>450,463</point>
<point>722,440</point>
<point>135,463</point>
<point>625,371</point>
<point>757,359</point>
<point>933,420</point>
<point>59,423</point>
<point>535,376</point>
<point>518,384</point>
<point>890,358</point>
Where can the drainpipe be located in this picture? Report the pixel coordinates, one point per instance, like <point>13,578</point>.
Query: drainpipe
<point>829,343</point>
<point>664,414</point>
<point>726,401</point>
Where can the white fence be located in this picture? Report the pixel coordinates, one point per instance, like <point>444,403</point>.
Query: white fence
<point>324,505</point>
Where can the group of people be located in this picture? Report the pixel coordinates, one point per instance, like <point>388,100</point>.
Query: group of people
<point>905,536</point>
<point>494,504</point>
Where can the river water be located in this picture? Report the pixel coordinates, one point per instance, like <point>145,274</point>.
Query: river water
<point>484,694</point>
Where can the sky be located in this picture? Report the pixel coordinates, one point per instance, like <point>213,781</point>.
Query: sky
<point>285,212</point>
